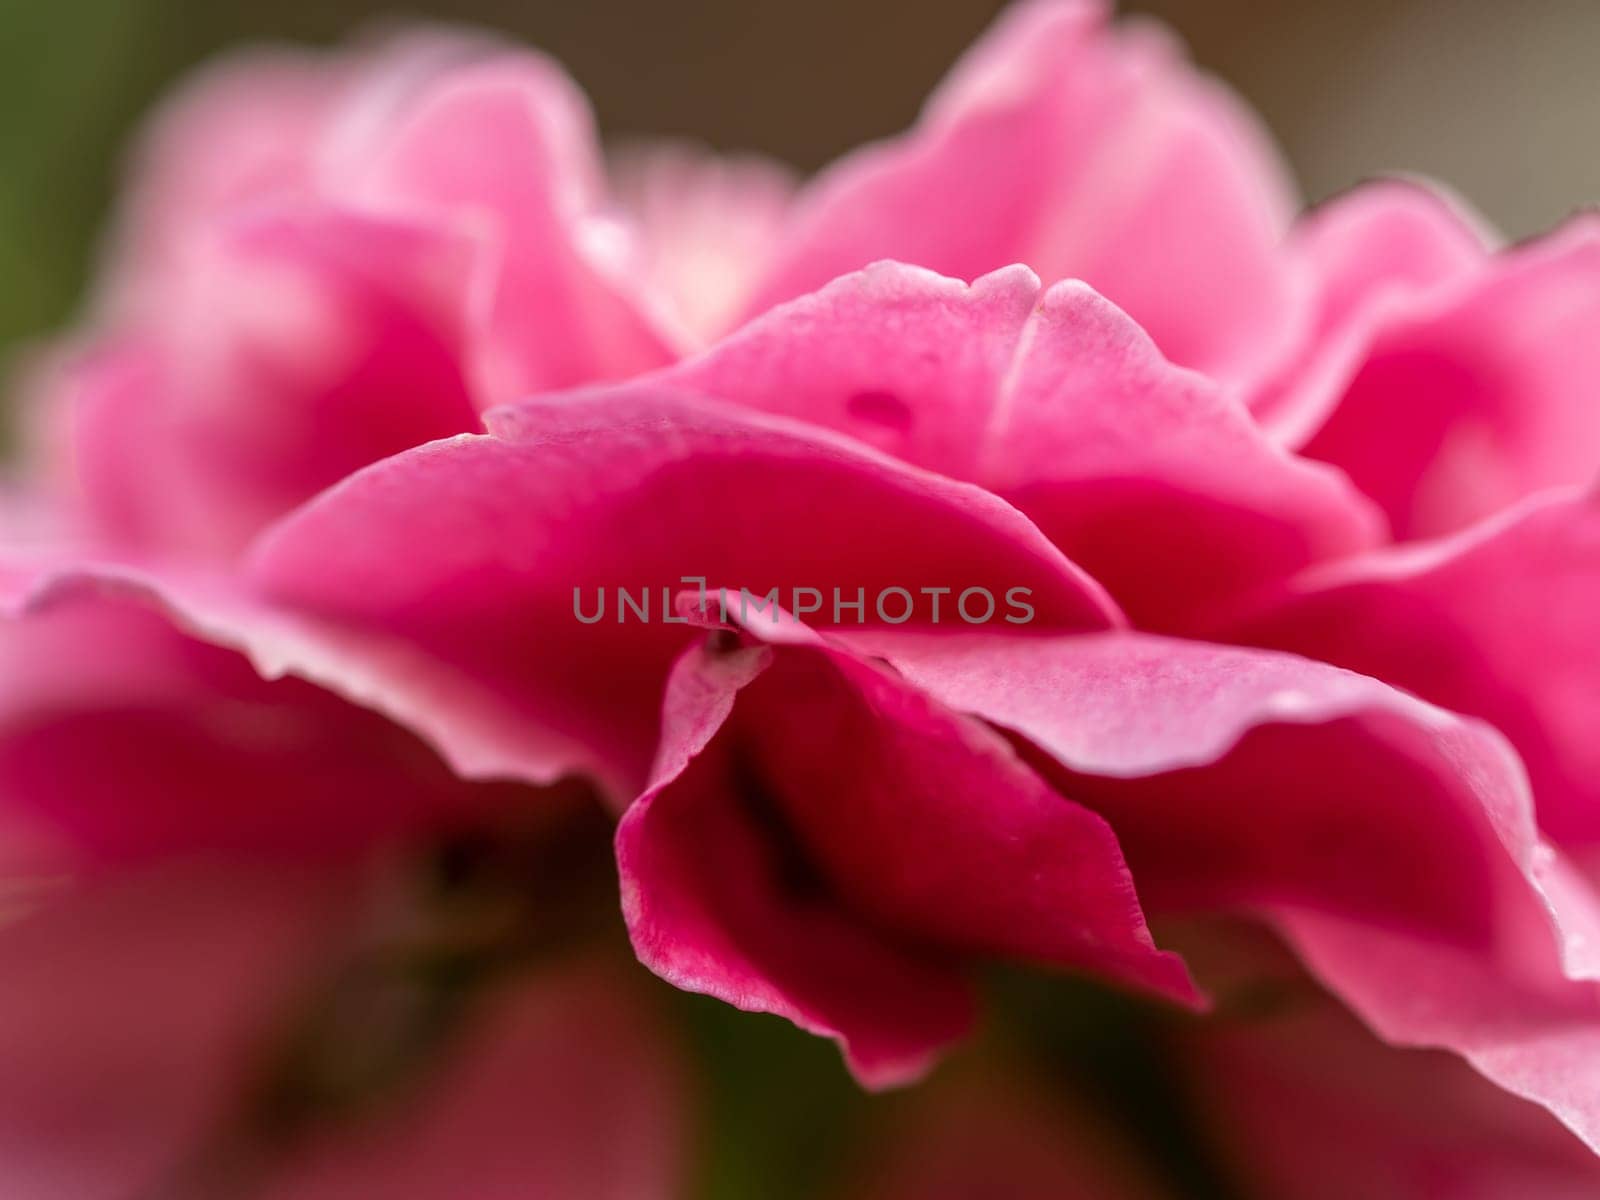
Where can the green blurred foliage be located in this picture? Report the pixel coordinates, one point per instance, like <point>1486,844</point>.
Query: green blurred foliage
<point>71,70</point>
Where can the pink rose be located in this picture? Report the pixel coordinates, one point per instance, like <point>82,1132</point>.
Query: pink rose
<point>966,557</point>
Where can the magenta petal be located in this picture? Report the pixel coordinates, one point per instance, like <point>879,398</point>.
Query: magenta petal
<point>131,730</point>
<point>1375,253</point>
<point>1083,152</point>
<point>1153,478</point>
<point>98,412</point>
<point>474,552</point>
<point>993,1134</point>
<point>1311,1105</point>
<point>1247,777</point>
<point>710,910</point>
<point>1499,622</point>
<point>1537,1040</point>
<point>564,1086</point>
<point>1400,234</point>
<point>897,356</point>
<point>1480,394</point>
<point>706,223</point>
<point>253,128</point>
<point>241,131</point>
<point>304,343</point>
<point>505,151</point>
<point>1392,842</point>
<point>824,843</point>
<point>131,1019</point>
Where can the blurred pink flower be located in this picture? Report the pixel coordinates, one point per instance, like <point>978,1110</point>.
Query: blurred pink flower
<point>324,259</point>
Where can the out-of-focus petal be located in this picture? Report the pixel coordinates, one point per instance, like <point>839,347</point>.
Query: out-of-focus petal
<point>994,1136</point>
<point>504,151</point>
<point>1478,393</point>
<point>1310,1105</point>
<point>822,842</point>
<point>484,142</point>
<point>707,225</point>
<point>1539,1039</point>
<point>133,1015</point>
<point>1083,152</point>
<point>93,406</point>
<point>564,1086</point>
<point>131,733</point>
<point>1375,253</point>
<point>1152,477</point>
<point>308,342</point>
<point>480,553</point>
<point>1499,622</point>
<point>238,133</point>
<point>250,129</point>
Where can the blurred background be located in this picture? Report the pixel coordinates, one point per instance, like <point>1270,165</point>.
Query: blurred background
<point>1499,100</point>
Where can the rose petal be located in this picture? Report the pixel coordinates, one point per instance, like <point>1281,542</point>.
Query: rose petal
<point>1083,152</point>
<point>1498,622</point>
<point>130,733</point>
<point>1313,1106</point>
<point>564,1086</point>
<point>823,843</point>
<point>308,342</point>
<point>1376,253</point>
<point>1246,777</point>
<point>93,408</point>
<point>505,150</point>
<point>707,224</point>
<point>252,128</point>
<point>1540,1042</point>
<point>1477,395</point>
<point>479,553</point>
<point>1392,843</point>
<point>1158,482</point>
<point>132,1016</point>
<point>239,131</point>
